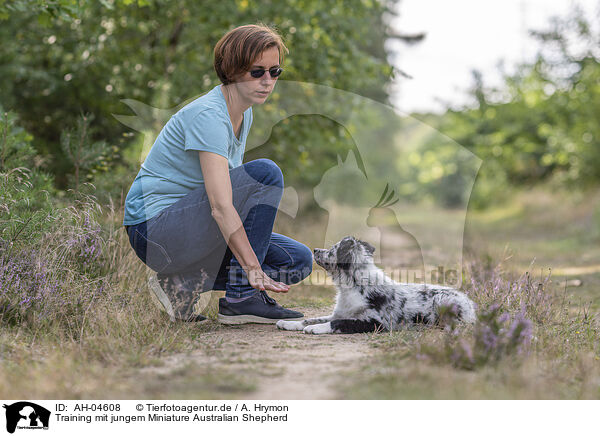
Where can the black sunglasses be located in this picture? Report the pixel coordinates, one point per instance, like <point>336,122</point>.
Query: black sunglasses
<point>274,72</point>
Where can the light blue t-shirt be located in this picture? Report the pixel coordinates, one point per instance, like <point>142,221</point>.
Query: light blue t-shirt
<point>172,168</point>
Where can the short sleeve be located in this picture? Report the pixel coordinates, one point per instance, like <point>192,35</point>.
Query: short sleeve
<point>206,131</point>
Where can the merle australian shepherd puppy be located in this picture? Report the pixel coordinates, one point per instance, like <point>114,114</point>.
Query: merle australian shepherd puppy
<point>367,300</point>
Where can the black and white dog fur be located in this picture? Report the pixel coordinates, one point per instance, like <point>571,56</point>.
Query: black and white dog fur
<point>367,300</point>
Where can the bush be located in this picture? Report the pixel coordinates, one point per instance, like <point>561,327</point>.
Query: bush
<point>504,328</point>
<point>496,335</point>
<point>57,280</point>
<point>26,208</point>
<point>42,247</point>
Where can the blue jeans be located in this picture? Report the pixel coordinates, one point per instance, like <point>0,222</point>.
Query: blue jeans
<point>185,240</point>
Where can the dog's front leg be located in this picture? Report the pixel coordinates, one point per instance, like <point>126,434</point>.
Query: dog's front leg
<point>299,325</point>
<point>346,326</point>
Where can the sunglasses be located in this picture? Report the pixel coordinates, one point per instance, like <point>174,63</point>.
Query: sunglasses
<point>274,72</point>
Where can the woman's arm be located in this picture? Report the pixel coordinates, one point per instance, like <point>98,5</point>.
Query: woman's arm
<point>215,170</point>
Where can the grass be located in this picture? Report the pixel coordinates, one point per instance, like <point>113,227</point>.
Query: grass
<point>97,333</point>
<point>555,231</point>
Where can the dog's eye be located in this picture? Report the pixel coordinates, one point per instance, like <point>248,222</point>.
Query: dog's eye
<point>368,247</point>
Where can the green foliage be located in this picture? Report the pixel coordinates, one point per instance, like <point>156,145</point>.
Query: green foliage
<point>25,191</point>
<point>540,125</point>
<point>46,10</point>
<point>438,171</point>
<point>49,10</point>
<point>83,154</point>
<point>15,144</point>
<point>160,52</point>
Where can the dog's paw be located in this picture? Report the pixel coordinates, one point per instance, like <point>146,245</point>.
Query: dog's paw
<point>289,325</point>
<point>318,329</point>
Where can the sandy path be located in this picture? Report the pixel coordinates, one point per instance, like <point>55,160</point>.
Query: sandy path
<point>284,365</point>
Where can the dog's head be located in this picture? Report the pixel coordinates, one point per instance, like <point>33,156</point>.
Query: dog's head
<point>347,254</point>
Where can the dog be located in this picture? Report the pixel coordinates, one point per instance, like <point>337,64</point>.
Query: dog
<point>367,300</point>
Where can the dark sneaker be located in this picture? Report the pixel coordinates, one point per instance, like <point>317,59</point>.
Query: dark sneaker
<point>181,311</point>
<point>260,308</point>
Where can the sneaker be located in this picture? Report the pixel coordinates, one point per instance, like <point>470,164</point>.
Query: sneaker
<point>157,288</point>
<point>260,308</point>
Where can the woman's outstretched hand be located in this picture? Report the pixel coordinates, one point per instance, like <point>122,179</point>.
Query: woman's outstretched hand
<point>261,281</point>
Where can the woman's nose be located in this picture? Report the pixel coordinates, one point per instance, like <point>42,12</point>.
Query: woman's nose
<point>266,78</point>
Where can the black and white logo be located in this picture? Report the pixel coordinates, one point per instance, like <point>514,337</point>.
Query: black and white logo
<point>26,415</point>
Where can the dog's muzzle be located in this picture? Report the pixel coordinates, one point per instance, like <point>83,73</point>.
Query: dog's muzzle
<point>318,255</point>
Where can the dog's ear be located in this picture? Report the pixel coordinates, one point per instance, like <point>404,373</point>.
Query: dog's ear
<point>344,254</point>
<point>368,247</point>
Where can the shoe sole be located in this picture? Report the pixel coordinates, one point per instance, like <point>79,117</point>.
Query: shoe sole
<point>163,300</point>
<point>160,295</point>
<point>250,319</point>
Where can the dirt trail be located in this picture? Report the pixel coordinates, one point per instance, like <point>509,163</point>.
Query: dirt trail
<point>282,364</point>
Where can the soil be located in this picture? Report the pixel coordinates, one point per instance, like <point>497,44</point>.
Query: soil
<point>283,364</point>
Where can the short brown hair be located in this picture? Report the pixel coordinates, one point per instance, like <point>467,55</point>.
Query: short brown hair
<point>238,48</point>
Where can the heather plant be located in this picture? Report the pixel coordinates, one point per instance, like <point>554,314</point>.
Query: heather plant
<point>65,266</point>
<point>42,282</point>
<point>489,286</point>
<point>504,327</point>
<point>77,242</point>
<point>496,335</point>
<point>29,290</point>
<point>53,261</point>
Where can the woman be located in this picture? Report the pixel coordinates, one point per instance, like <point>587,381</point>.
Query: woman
<point>199,217</point>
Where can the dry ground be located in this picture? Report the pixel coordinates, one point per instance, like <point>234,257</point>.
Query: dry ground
<point>280,365</point>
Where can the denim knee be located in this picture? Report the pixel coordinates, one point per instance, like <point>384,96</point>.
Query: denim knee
<point>265,171</point>
<point>303,265</point>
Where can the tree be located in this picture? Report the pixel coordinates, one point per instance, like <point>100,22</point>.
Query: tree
<point>160,52</point>
<point>541,124</point>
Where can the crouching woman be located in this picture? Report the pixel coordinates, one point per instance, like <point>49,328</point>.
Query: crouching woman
<point>199,217</point>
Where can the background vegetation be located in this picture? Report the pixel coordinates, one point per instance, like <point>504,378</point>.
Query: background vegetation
<point>538,127</point>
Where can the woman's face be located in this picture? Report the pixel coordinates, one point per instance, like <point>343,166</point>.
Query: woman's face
<point>256,90</point>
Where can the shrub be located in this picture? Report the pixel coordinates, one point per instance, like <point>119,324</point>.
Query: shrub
<point>56,280</point>
<point>26,209</point>
<point>504,327</point>
<point>496,335</point>
<point>48,255</point>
